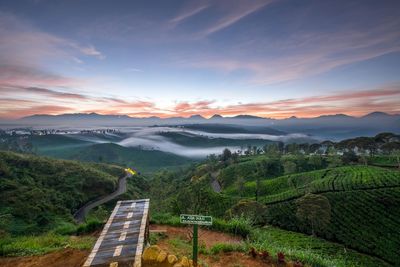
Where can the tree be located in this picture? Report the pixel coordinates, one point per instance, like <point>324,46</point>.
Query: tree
<point>314,148</point>
<point>226,155</point>
<point>235,157</point>
<point>281,147</point>
<point>289,167</point>
<point>349,157</point>
<point>292,148</point>
<point>255,150</point>
<point>315,162</point>
<point>334,161</point>
<point>314,211</point>
<point>272,150</point>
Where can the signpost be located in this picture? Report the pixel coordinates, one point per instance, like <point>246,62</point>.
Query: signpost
<point>196,220</point>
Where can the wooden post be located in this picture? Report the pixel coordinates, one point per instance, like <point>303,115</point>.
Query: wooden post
<point>195,244</point>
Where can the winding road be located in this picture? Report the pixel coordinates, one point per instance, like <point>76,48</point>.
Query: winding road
<point>216,186</point>
<point>80,215</point>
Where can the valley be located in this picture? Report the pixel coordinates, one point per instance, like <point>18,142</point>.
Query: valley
<point>306,201</point>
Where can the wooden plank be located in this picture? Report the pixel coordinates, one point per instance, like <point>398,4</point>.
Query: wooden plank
<point>122,240</point>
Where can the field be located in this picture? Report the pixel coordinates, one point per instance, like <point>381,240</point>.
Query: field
<point>362,199</point>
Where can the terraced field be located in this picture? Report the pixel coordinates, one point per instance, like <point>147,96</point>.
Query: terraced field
<point>364,201</point>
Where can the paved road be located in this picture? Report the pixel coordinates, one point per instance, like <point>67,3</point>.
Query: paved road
<point>123,237</point>
<point>80,215</point>
<point>216,186</point>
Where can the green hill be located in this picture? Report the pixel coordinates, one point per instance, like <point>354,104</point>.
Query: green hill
<point>357,206</point>
<point>85,149</point>
<point>364,206</point>
<point>37,193</point>
<point>193,140</point>
<point>143,160</point>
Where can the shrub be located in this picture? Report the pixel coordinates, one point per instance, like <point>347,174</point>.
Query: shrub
<point>224,247</point>
<point>65,229</point>
<point>238,226</point>
<point>90,226</point>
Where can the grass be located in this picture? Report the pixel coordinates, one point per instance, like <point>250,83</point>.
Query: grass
<point>225,247</point>
<point>180,247</point>
<point>42,244</point>
<point>296,246</point>
<point>308,249</point>
<point>165,218</point>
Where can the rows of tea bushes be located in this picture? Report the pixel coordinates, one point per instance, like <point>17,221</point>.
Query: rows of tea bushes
<point>332,180</point>
<point>364,203</point>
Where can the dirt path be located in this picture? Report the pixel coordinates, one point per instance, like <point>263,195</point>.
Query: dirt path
<point>177,241</point>
<point>206,237</point>
<point>62,258</point>
<point>80,215</point>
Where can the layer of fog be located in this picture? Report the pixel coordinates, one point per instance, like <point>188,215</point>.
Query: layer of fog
<point>150,138</point>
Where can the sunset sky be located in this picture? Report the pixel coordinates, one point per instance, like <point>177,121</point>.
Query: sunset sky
<point>270,58</point>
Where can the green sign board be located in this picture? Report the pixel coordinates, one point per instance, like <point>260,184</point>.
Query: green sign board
<point>196,219</point>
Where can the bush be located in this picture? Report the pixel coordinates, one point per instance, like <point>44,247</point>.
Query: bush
<point>165,218</point>
<point>90,226</point>
<point>65,229</point>
<point>224,247</point>
<point>249,209</point>
<point>238,226</point>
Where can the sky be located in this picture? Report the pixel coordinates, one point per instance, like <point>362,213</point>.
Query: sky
<point>269,58</point>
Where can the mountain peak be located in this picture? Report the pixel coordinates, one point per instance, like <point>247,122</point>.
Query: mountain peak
<point>375,114</point>
<point>197,116</point>
<point>340,115</point>
<point>216,116</point>
<point>247,117</point>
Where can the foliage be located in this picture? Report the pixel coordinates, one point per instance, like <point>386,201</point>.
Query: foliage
<point>226,247</point>
<point>250,209</point>
<point>40,193</point>
<point>362,200</point>
<point>308,249</point>
<point>314,211</point>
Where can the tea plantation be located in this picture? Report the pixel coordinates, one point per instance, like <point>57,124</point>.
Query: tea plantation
<point>361,200</point>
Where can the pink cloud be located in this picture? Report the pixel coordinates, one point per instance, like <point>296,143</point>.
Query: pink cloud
<point>386,99</point>
<point>18,112</point>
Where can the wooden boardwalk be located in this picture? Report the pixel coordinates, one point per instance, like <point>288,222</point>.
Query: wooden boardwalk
<point>121,242</point>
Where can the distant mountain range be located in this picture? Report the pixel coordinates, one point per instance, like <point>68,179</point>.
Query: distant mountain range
<point>337,126</point>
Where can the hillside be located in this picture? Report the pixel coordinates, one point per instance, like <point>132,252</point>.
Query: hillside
<point>37,193</point>
<point>143,160</point>
<point>351,203</point>
<point>92,147</point>
<point>361,200</point>
<point>187,139</point>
